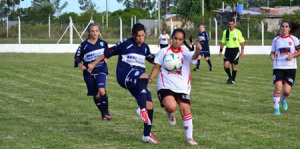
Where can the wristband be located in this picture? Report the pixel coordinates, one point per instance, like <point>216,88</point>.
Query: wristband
<point>242,50</point>
<point>221,49</point>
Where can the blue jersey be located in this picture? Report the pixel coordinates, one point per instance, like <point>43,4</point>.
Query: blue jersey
<point>204,44</point>
<point>88,53</point>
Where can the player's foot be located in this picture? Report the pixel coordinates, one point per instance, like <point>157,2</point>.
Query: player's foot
<point>229,81</point>
<point>277,111</point>
<point>171,118</point>
<point>191,141</point>
<point>138,111</point>
<point>106,116</point>
<point>150,139</point>
<point>144,116</point>
<point>210,68</point>
<point>232,82</point>
<point>196,69</point>
<point>284,105</point>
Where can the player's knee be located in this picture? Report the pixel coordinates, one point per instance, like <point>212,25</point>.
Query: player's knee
<point>286,93</point>
<point>144,76</point>
<point>102,91</point>
<point>185,110</point>
<point>170,109</point>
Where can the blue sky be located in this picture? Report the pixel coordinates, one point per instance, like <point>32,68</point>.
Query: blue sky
<point>73,5</point>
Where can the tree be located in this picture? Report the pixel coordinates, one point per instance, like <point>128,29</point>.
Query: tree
<point>36,3</point>
<point>143,4</point>
<point>255,3</point>
<point>8,7</point>
<point>64,18</point>
<point>58,8</point>
<point>86,5</point>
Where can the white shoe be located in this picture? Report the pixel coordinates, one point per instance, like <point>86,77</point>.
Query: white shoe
<point>171,118</point>
<point>191,141</point>
<point>144,116</point>
<point>138,111</point>
<point>150,139</point>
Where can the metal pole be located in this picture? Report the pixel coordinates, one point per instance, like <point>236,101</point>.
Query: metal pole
<point>134,19</point>
<point>202,7</point>
<point>7,27</point>
<point>106,14</point>
<point>158,4</point>
<point>262,33</point>
<point>19,30</point>
<point>71,31</point>
<point>209,27</point>
<point>248,35</point>
<point>131,21</point>
<point>49,27</point>
<point>216,31</point>
<point>121,29</point>
<point>102,20</point>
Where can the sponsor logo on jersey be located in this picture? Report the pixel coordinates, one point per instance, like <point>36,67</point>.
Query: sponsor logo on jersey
<point>290,43</point>
<point>291,80</point>
<point>91,56</point>
<point>129,46</point>
<point>136,73</point>
<point>143,91</point>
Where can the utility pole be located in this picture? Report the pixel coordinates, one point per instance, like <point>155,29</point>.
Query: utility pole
<point>158,16</point>
<point>106,14</point>
<point>202,7</point>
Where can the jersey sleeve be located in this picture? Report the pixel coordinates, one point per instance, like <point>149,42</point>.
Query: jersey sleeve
<point>168,36</point>
<point>296,42</point>
<point>240,37</point>
<point>206,37</point>
<point>149,55</point>
<point>224,37</point>
<point>115,50</point>
<point>273,48</point>
<point>78,56</point>
<point>159,57</point>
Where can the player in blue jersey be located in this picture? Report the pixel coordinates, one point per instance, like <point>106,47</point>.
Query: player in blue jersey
<point>131,73</point>
<point>88,51</point>
<point>203,39</point>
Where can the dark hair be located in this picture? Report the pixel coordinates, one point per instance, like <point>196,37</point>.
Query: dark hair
<point>90,26</point>
<point>137,27</point>
<point>183,32</point>
<point>288,22</point>
<point>231,20</point>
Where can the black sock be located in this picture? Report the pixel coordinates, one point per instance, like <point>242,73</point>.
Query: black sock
<point>147,128</point>
<point>142,92</point>
<point>233,74</point>
<point>104,102</point>
<point>97,102</point>
<point>198,64</point>
<point>228,72</point>
<point>209,63</point>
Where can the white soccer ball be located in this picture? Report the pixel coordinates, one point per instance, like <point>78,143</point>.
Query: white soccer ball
<point>172,62</point>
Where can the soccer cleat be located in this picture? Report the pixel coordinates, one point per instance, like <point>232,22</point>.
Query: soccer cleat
<point>196,69</point>
<point>138,111</point>
<point>229,81</point>
<point>232,82</point>
<point>191,141</point>
<point>106,116</point>
<point>277,111</point>
<point>284,105</point>
<point>150,139</point>
<point>144,116</point>
<point>171,118</point>
<point>210,68</point>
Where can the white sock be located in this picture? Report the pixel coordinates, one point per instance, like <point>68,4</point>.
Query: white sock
<point>276,99</point>
<point>188,125</point>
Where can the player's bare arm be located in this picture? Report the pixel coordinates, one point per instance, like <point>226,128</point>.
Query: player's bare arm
<point>221,49</point>
<point>92,65</point>
<point>290,57</point>
<point>153,73</point>
<point>272,56</point>
<point>242,50</point>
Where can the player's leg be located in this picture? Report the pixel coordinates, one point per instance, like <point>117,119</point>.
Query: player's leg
<point>101,84</point>
<point>227,59</point>
<point>234,71</point>
<point>142,97</point>
<point>207,55</point>
<point>276,96</point>
<point>187,120</point>
<point>198,62</point>
<point>169,103</point>
<point>289,81</point>
<point>234,62</point>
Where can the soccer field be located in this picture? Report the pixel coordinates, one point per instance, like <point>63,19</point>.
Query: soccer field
<point>44,105</point>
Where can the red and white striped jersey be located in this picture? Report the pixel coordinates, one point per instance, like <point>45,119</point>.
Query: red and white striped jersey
<point>177,81</point>
<point>283,47</point>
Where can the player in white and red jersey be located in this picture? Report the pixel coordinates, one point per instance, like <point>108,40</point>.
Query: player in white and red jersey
<point>174,87</point>
<point>285,49</point>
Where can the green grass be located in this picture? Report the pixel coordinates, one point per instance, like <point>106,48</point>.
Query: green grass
<point>44,105</point>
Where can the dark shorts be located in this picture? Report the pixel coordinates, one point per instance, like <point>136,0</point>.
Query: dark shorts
<point>163,45</point>
<point>94,82</point>
<point>232,55</point>
<point>179,97</point>
<point>284,75</point>
<point>205,53</point>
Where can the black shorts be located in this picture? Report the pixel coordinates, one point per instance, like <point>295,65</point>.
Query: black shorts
<point>179,97</point>
<point>232,55</point>
<point>284,75</point>
<point>206,54</point>
<point>163,45</point>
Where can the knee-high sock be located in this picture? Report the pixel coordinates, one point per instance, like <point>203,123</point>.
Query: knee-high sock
<point>142,93</point>
<point>97,102</point>
<point>284,97</point>
<point>147,128</point>
<point>276,99</point>
<point>104,102</point>
<point>228,72</point>
<point>234,74</point>
<point>188,125</point>
<point>209,63</point>
<point>198,64</point>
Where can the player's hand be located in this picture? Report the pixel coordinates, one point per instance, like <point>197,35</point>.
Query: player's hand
<point>149,80</point>
<point>242,54</point>
<point>290,57</point>
<point>198,47</point>
<point>82,67</point>
<point>106,60</point>
<point>272,57</point>
<point>220,54</point>
<point>91,67</point>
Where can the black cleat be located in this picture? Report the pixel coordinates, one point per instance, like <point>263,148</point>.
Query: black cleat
<point>210,68</point>
<point>106,116</point>
<point>229,81</point>
<point>196,69</point>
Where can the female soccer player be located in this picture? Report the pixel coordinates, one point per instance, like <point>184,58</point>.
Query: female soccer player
<point>175,87</point>
<point>163,39</point>
<point>131,73</point>
<point>203,39</point>
<point>88,51</point>
<point>285,49</point>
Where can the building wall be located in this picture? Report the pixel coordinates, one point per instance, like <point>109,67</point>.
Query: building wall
<point>273,24</point>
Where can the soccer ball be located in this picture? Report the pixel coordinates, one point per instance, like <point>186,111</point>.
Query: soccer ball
<point>172,62</point>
